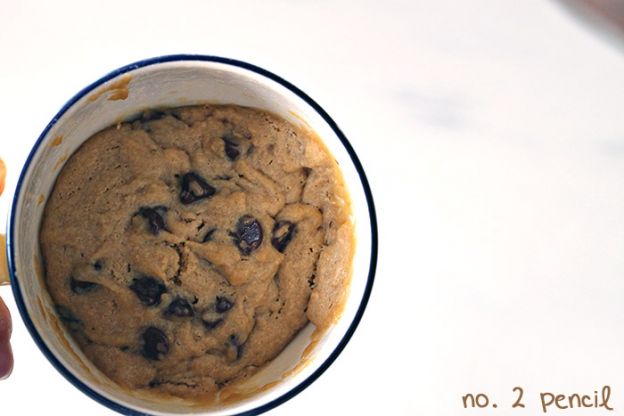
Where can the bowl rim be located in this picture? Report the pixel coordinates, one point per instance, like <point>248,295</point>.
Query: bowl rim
<point>15,285</point>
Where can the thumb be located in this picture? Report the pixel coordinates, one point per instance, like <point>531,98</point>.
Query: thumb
<point>6,355</point>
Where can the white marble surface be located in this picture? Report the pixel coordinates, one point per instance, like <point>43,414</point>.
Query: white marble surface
<point>492,133</point>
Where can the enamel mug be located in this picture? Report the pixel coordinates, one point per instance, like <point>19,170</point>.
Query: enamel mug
<point>166,82</point>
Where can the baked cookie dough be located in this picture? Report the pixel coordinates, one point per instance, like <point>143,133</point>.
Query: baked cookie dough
<point>185,249</point>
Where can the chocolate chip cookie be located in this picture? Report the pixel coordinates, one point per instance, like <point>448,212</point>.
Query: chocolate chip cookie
<point>186,248</point>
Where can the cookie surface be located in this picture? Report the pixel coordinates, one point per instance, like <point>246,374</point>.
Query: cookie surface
<point>185,250</point>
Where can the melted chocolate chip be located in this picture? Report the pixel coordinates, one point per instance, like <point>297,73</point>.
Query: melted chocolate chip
<point>180,307</point>
<point>148,290</point>
<point>248,235</point>
<point>66,315</point>
<point>152,115</point>
<point>81,287</point>
<point>223,304</point>
<point>155,343</point>
<point>212,324</point>
<point>194,188</point>
<point>236,347</point>
<point>231,149</point>
<point>154,219</point>
<point>283,233</point>
<point>98,265</point>
<point>211,319</point>
<point>208,235</point>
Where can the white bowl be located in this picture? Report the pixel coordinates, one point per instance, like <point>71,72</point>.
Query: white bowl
<point>174,81</point>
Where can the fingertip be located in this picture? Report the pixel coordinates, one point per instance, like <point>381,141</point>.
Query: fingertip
<point>6,354</point>
<point>6,360</point>
<point>6,326</point>
<point>2,175</point>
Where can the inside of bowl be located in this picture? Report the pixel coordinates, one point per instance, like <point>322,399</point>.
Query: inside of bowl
<point>179,83</point>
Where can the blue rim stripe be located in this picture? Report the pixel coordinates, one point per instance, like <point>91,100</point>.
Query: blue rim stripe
<point>173,58</point>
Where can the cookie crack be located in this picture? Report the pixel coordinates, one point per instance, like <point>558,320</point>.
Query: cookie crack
<point>182,262</point>
<point>212,267</point>
<point>312,276</point>
<point>177,117</point>
<point>306,172</point>
<point>156,383</point>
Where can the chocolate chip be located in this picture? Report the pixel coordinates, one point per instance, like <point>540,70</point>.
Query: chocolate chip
<point>98,265</point>
<point>153,115</point>
<point>231,148</point>
<point>81,287</point>
<point>154,219</point>
<point>148,290</point>
<point>283,233</point>
<point>194,188</point>
<point>223,304</point>
<point>211,319</point>
<point>208,235</point>
<point>248,235</point>
<point>66,315</point>
<point>236,347</point>
<point>155,343</point>
<point>180,307</point>
<point>212,324</point>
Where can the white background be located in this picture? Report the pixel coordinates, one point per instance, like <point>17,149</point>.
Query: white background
<point>493,135</point>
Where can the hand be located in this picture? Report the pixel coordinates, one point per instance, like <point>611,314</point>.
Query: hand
<point>6,355</point>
